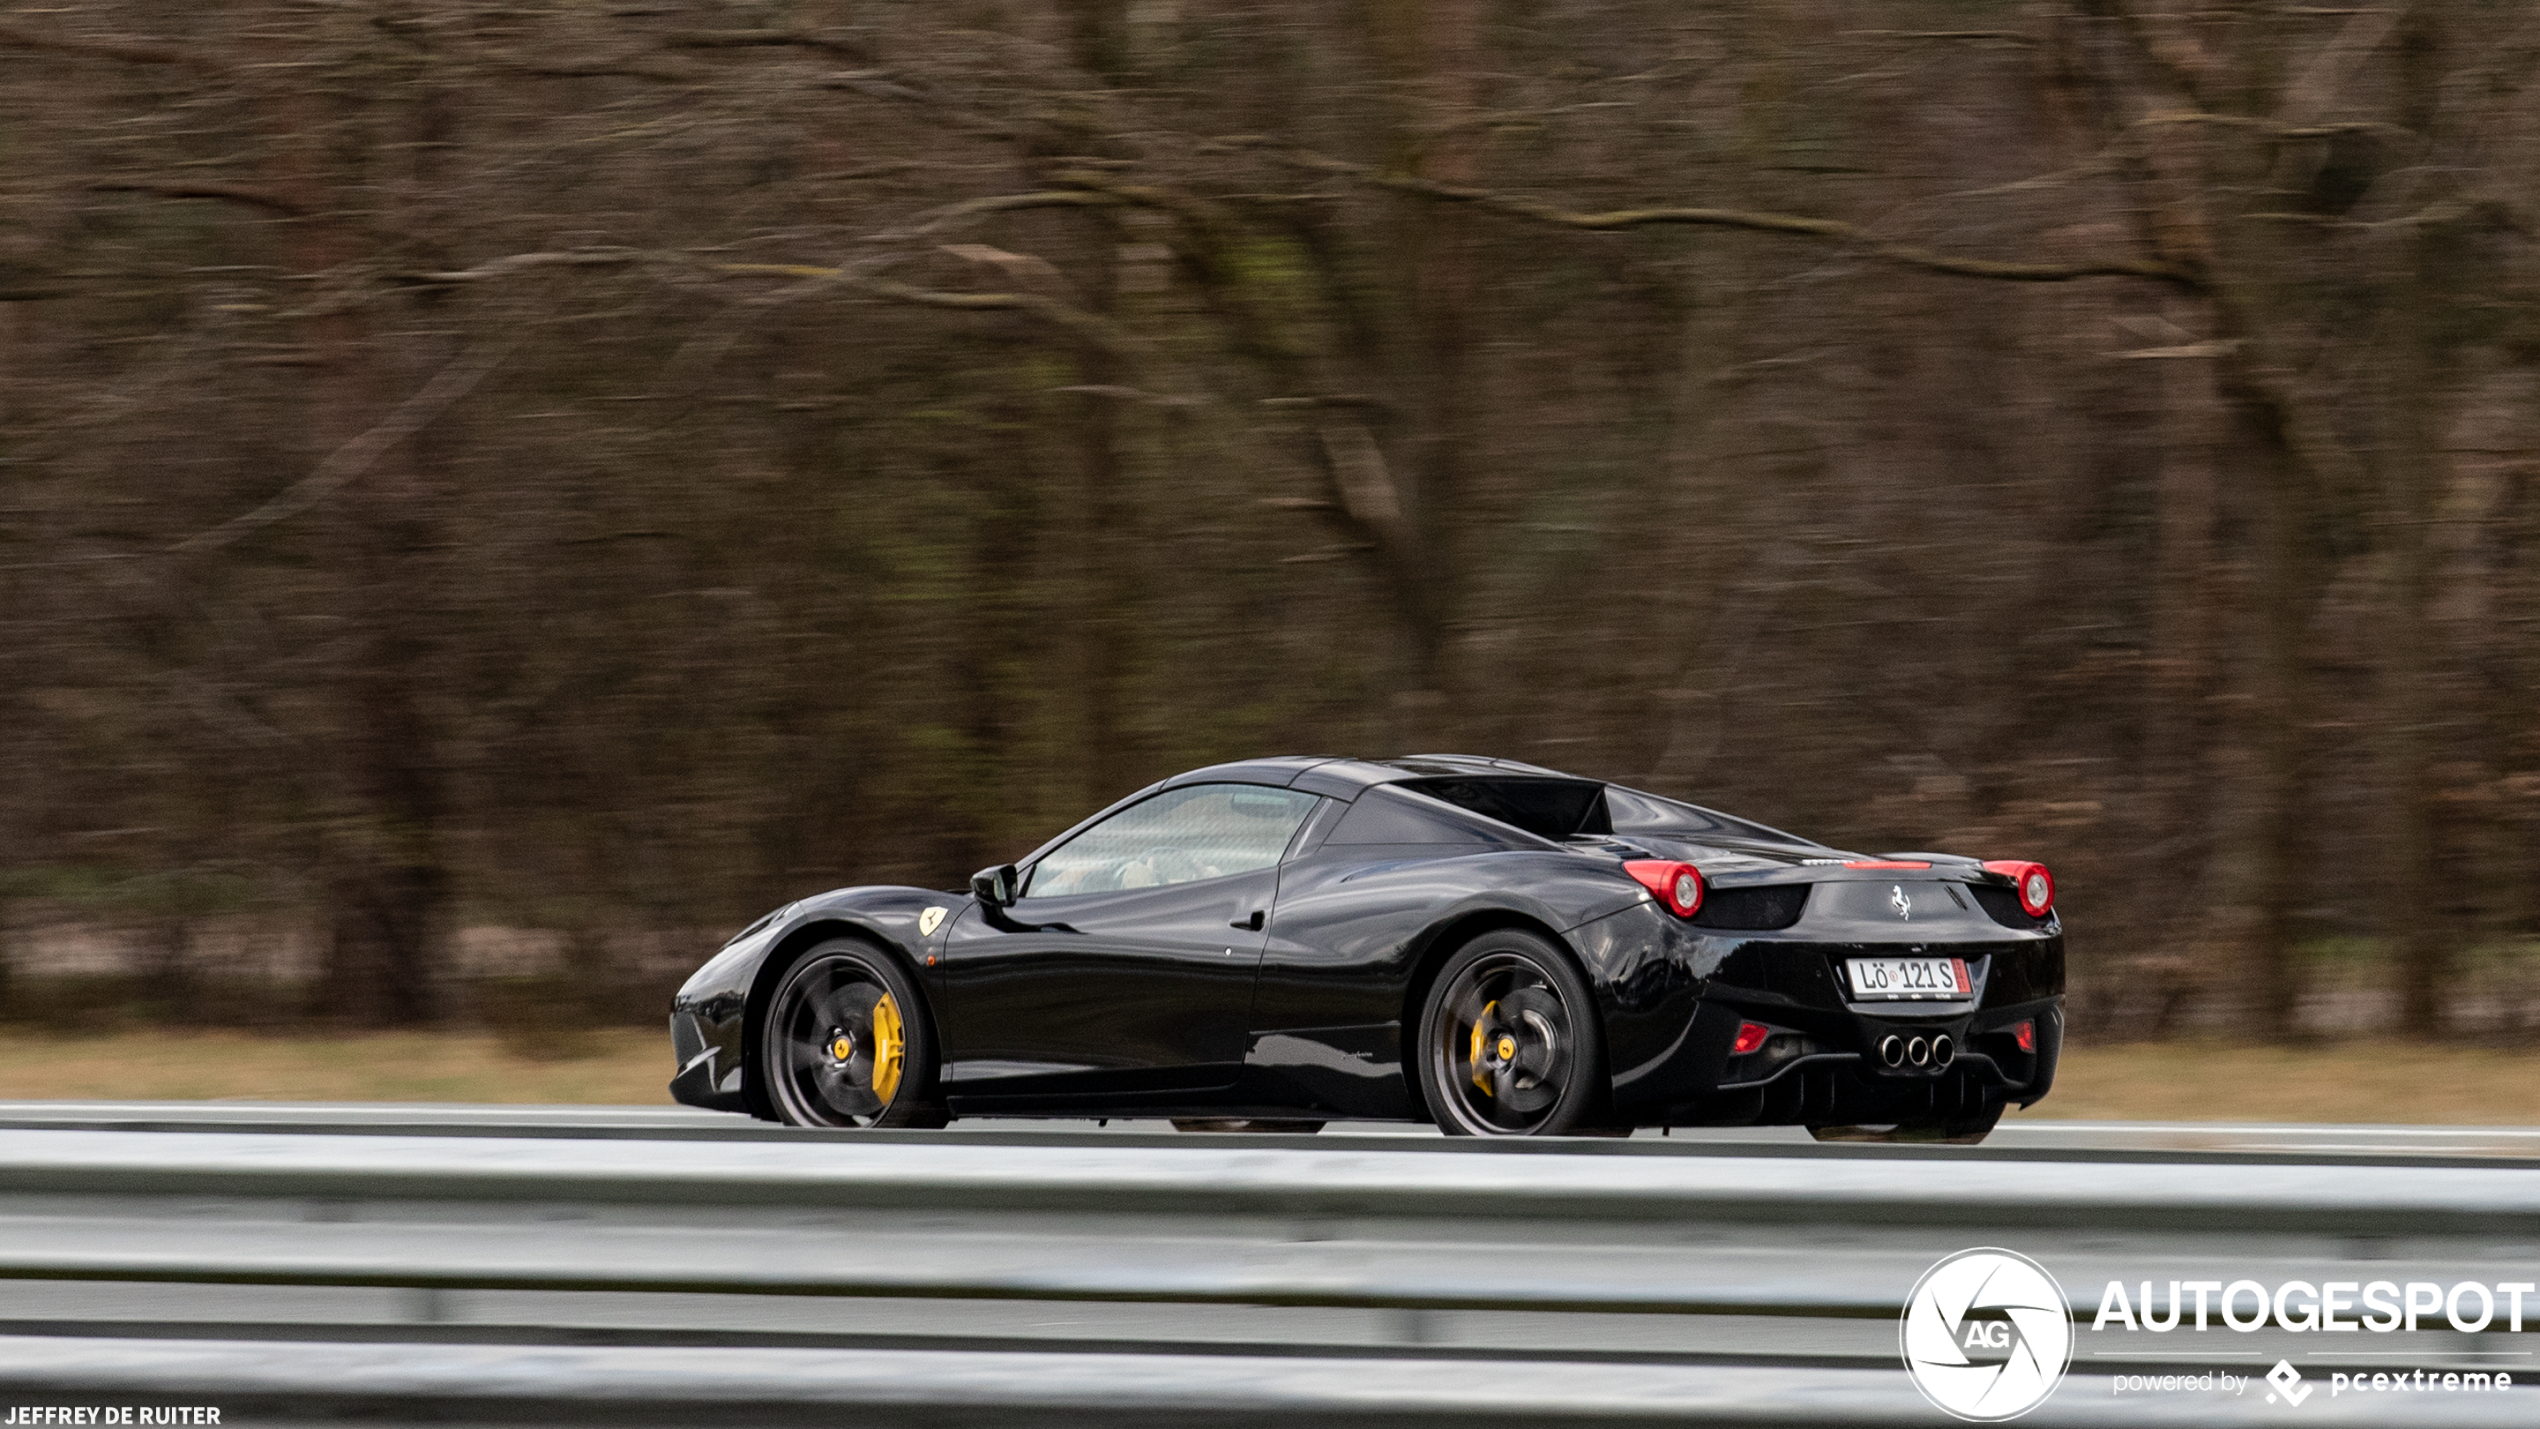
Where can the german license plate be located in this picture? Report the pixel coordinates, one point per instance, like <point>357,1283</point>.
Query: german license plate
<point>1908,979</point>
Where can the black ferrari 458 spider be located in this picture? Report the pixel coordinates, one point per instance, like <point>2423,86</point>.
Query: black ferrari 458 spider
<point>1500,949</point>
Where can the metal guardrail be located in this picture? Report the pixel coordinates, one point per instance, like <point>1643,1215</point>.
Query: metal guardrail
<point>2018,1139</point>
<point>1222,1180</point>
<point>308,1234</point>
<point>1147,1225</point>
<point>1552,1244</point>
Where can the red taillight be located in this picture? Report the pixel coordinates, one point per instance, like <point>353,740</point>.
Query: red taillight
<point>1678,885</point>
<point>1750,1037</point>
<point>2036,885</point>
<point>2026,1035</point>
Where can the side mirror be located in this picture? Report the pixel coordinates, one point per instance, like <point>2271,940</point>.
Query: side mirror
<point>995,887</point>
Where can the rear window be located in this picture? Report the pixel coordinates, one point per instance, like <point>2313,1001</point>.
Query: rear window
<point>1383,816</point>
<point>1547,808</point>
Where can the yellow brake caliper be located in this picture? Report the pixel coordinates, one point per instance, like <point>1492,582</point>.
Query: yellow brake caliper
<point>1476,1057</point>
<point>890,1042</point>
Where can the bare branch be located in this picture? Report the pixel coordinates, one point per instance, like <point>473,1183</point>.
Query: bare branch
<point>347,462</point>
<point>2273,129</point>
<point>953,215</point>
<point>1127,394</point>
<point>137,52</point>
<point>1205,248</point>
<point>201,188</point>
<point>2320,86</point>
<point>1902,254</point>
<point>520,262</point>
<point>25,283</point>
<point>879,84</point>
<point>630,64</point>
<point>829,42</point>
<point>1076,322</point>
<point>2176,55</point>
<point>1359,475</point>
<point>1083,325</point>
<point>2000,37</point>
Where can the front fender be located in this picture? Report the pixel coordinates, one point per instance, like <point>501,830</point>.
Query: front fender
<point>715,1018</point>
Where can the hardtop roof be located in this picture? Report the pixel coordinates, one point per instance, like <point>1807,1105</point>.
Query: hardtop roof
<point>1354,774</point>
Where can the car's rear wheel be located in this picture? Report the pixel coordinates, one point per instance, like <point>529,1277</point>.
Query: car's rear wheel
<point>1509,1042</point>
<point>1949,1131</point>
<point>847,1042</point>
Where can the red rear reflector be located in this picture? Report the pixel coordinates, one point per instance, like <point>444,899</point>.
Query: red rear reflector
<point>1750,1037</point>
<point>1885,863</point>
<point>2036,885</point>
<point>2026,1035</point>
<point>1678,885</point>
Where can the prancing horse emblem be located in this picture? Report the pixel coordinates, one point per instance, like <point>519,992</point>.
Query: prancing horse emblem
<point>1897,900</point>
<point>929,921</point>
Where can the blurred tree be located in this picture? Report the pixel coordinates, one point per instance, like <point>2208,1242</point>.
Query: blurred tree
<point>605,470</point>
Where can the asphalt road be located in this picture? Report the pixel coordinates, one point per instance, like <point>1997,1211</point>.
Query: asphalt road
<point>2022,1138</point>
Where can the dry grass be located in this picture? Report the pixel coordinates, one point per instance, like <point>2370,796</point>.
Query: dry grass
<point>2410,1082</point>
<point>2166,1081</point>
<point>615,1066</point>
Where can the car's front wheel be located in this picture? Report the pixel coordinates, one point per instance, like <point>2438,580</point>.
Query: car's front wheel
<point>847,1042</point>
<point>1509,1041</point>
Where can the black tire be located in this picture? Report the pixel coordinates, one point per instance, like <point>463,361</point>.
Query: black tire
<point>1947,1131</point>
<point>1540,1066</point>
<point>848,996</point>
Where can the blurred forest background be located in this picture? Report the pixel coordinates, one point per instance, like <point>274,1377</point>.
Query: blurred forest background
<point>495,495</point>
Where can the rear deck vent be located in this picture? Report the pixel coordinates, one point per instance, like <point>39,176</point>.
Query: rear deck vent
<point>1764,909</point>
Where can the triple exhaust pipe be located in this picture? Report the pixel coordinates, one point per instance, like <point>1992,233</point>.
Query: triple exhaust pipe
<point>1937,1051</point>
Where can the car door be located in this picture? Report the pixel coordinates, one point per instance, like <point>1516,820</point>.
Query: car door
<point>1127,964</point>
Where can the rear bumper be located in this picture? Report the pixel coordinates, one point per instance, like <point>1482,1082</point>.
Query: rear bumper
<point>1830,1072</point>
<point>1675,997</point>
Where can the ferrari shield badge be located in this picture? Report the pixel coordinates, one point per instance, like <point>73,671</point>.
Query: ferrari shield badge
<point>929,921</point>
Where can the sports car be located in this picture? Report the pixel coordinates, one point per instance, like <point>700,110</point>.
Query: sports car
<point>1496,948</point>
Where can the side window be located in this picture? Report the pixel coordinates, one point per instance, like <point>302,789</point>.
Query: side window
<point>1179,836</point>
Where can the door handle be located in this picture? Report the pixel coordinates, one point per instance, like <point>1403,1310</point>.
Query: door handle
<point>1251,924</point>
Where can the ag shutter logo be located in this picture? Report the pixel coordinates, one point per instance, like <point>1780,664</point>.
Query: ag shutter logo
<point>1987,1335</point>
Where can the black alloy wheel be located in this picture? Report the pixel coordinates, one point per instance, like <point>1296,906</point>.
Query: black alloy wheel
<point>1509,1041</point>
<point>847,1042</point>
